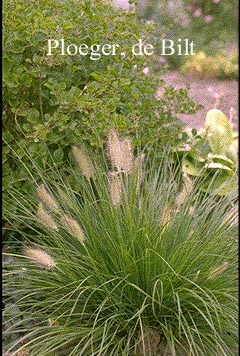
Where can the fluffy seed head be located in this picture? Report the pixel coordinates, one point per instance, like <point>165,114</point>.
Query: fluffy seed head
<point>138,168</point>
<point>115,188</point>
<point>232,215</point>
<point>40,257</point>
<point>191,210</point>
<point>217,271</point>
<point>165,218</point>
<point>83,161</point>
<point>186,190</point>
<point>65,198</point>
<point>74,228</point>
<point>46,197</point>
<point>45,218</point>
<point>120,152</point>
<point>115,150</point>
<point>127,155</point>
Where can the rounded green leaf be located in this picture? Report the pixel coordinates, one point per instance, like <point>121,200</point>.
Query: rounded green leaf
<point>232,151</point>
<point>222,160</point>
<point>193,168</point>
<point>221,181</point>
<point>58,155</point>
<point>219,131</point>
<point>33,115</point>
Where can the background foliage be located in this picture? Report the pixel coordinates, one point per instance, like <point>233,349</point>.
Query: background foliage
<point>211,24</point>
<point>223,65</point>
<point>52,102</point>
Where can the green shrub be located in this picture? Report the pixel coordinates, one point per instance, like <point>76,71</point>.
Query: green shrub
<point>50,102</point>
<point>120,266</point>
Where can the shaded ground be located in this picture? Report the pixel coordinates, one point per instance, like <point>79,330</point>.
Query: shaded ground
<point>205,91</point>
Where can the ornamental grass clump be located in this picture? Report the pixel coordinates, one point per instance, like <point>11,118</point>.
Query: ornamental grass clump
<point>128,271</point>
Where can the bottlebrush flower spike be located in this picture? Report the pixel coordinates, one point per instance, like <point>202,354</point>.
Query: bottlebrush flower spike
<point>40,257</point>
<point>232,216</point>
<point>120,152</point>
<point>65,198</point>
<point>46,197</point>
<point>138,167</point>
<point>45,218</point>
<point>186,190</point>
<point>217,271</point>
<point>74,228</point>
<point>115,150</point>
<point>166,217</point>
<point>127,156</point>
<point>115,188</point>
<point>83,161</point>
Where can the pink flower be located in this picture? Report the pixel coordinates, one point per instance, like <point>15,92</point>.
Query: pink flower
<point>186,147</point>
<point>216,1</point>
<point>191,8</point>
<point>197,13</point>
<point>146,70</point>
<point>160,92</point>
<point>162,60</point>
<point>208,18</point>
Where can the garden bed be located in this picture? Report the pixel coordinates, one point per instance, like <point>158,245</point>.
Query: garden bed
<point>204,91</point>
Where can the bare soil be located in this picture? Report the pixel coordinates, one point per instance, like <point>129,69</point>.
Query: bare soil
<point>207,92</point>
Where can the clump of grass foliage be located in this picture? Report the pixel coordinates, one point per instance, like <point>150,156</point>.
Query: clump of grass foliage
<point>131,261</point>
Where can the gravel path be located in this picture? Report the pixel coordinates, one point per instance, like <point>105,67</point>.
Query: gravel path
<point>204,91</point>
